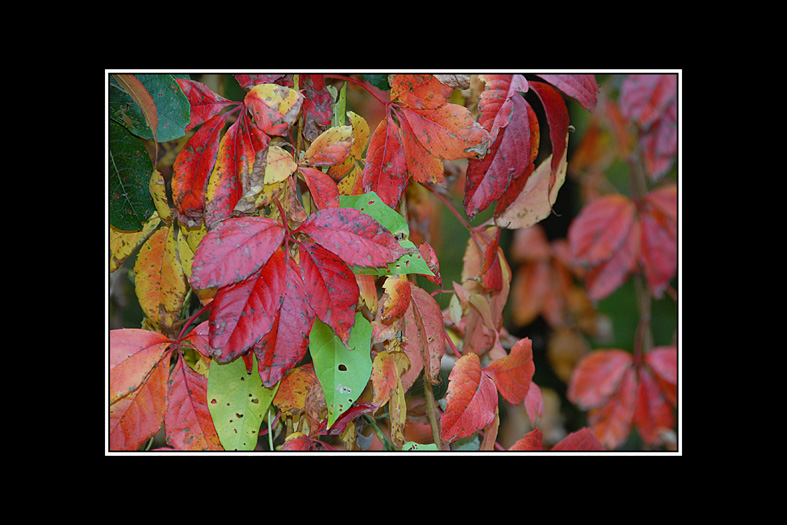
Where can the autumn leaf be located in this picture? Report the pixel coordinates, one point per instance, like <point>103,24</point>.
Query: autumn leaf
<point>273,107</point>
<point>330,147</point>
<point>352,235</point>
<point>583,439</point>
<point>513,374</point>
<point>659,255</point>
<point>160,279</point>
<point>138,416</point>
<point>597,377</point>
<point>513,127</point>
<point>234,250</point>
<point>582,88</point>
<point>332,291</point>
<point>612,234</point>
<point>534,203</point>
<point>132,355</point>
<point>471,400</point>
<point>192,168</point>
<point>242,312</point>
<point>322,188</point>
<point>188,421</point>
<point>396,297</point>
<point>421,128</point>
<point>425,333</point>
<point>291,396</point>
<point>620,394</point>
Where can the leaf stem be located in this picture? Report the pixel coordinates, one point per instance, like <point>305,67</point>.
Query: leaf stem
<point>191,320</point>
<point>458,215</point>
<point>431,413</point>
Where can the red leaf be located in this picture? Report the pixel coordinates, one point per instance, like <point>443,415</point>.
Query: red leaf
<point>513,374</point>
<point>352,235</point>
<point>659,256</point>
<point>286,343</point>
<point>384,171</point>
<point>600,230</point>
<point>471,400</point>
<point>323,189</point>
<point>188,423</point>
<point>425,331</point>
<point>644,98</point>
<point>422,166</point>
<point>653,414</point>
<point>532,441</point>
<point>557,118</point>
<point>663,361</point>
<point>132,355</point>
<point>582,88</point>
<point>205,104</point>
<point>243,312</point>
<point>193,167</point>
<point>582,439</point>
<point>234,250</point>
<point>514,131</point>
<point>612,421</point>
<point>609,275</point>
<point>597,376</point>
<point>330,288</point>
<point>509,158</point>
<point>235,160</point>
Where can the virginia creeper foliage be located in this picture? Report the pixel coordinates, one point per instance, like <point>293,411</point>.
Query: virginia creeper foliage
<point>282,266</point>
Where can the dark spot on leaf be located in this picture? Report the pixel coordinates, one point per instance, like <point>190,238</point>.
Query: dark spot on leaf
<point>342,368</point>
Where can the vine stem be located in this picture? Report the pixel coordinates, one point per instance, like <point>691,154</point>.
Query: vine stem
<point>431,413</point>
<point>456,214</point>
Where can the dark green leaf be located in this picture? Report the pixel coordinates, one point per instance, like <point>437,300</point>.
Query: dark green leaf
<point>378,81</point>
<point>172,107</point>
<point>130,203</point>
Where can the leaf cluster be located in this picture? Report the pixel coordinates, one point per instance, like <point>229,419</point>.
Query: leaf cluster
<point>285,217</point>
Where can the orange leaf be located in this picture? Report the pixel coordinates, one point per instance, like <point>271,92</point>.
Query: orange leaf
<point>132,355</point>
<point>137,417</point>
<point>291,396</point>
<point>513,374</point>
<point>396,297</point>
<point>331,147</point>
<point>471,400</point>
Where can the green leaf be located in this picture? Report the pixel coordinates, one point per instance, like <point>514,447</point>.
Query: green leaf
<point>237,402</point>
<point>371,204</point>
<point>172,107</point>
<point>343,371</point>
<point>130,202</point>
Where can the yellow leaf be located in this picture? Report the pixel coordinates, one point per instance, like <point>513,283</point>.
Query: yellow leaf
<point>159,279</point>
<point>122,243</point>
<point>280,165</point>
<point>159,194</point>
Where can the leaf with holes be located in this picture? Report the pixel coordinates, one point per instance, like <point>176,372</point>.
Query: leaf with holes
<point>237,401</point>
<point>343,371</point>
